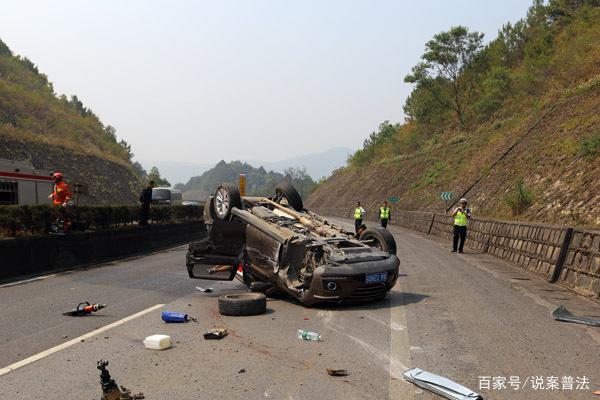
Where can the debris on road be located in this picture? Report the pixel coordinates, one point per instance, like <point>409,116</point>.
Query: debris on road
<point>242,304</point>
<point>337,372</point>
<point>157,342</point>
<point>440,385</point>
<point>242,371</point>
<point>307,335</point>
<point>216,333</point>
<point>562,314</point>
<point>84,308</point>
<point>169,316</point>
<point>110,389</point>
<point>203,290</point>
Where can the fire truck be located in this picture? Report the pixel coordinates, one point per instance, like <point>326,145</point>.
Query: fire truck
<point>21,183</point>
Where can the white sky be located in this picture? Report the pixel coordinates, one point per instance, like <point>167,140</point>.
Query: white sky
<point>201,81</point>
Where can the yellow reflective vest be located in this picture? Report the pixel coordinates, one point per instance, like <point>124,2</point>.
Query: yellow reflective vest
<point>384,213</point>
<point>460,219</point>
<point>358,213</point>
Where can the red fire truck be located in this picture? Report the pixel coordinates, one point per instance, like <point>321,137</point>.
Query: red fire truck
<point>21,183</point>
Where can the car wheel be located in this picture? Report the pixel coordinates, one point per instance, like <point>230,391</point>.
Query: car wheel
<point>288,191</point>
<point>380,238</point>
<point>227,196</point>
<point>242,304</point>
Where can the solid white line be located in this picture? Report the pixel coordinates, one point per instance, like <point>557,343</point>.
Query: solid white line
<point>39,278</point>
<point>71,342</point>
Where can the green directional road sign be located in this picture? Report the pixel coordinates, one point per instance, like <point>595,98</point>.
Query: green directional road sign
<point>446,196</point>
<point>393,199</point>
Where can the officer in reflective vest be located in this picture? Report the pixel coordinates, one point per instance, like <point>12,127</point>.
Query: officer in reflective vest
<point>358,216</point>
<point>384,214</point>
<point>461,215</point>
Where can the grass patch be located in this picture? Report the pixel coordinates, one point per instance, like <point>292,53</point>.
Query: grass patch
<point>520,199</point>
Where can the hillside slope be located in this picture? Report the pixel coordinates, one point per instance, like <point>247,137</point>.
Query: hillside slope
<point>565,182</point>
<point>57,133</point>
<point>525,144</point>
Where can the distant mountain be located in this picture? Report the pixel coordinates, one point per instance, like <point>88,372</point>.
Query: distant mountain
<point>176,171</point>
<point>259,181</point>
<point>317,165</point>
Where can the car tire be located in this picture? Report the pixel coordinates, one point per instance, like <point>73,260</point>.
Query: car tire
<point>382,238</point>
<point>242,304</point>
<point>227,196</point>
<point>291,194</point>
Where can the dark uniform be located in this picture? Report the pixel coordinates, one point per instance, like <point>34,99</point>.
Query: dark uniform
<point>145,199</point>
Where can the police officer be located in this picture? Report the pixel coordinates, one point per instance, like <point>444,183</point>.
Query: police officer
<point>358,216</point>
<point>145,200</point>
<point>384,214</point>
<point>461,215</point>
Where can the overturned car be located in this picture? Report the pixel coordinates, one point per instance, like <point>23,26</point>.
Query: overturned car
<point>275,245</point>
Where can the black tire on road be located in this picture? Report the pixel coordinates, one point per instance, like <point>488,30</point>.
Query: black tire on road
<point>227,196</point>
<point>242,304</point>
<point>291,194</point>
<point>381,238</point>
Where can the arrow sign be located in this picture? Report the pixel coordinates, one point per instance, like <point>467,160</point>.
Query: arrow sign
<point>446,196</point>
<point>393,199</point>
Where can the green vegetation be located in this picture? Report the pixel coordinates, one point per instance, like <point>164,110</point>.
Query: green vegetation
<point>259,182</point>
<point>590,146</point>
<point>462,86</point>
<point>154,175</point>
<point>31,110</point>
<point>35,220</point>
<point>520,199</point>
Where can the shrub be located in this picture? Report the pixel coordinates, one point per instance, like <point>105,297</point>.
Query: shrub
<point>520,199</point>
<point>590,146</point>
<point>36,219</point>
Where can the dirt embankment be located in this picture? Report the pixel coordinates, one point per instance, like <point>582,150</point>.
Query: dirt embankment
<point>563,179</point>
<point>104,182</point>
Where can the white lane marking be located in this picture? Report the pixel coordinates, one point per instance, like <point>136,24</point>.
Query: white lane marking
<point>399,347</point>
<point>39,278</point>
<point>71,342</point>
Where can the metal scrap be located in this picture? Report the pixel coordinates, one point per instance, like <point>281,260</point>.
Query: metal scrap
<point>562,314</point>
<point>203,290</point>
<point>110,390</point>
<point>440,385</point>
<point>337,372</point>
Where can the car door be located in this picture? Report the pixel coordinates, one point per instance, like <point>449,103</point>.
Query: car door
<point>217,256</point>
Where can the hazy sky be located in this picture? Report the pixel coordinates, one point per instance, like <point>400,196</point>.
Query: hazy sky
<point>200,81</point>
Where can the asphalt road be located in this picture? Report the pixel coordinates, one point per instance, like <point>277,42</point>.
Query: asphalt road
<point>466,317</point>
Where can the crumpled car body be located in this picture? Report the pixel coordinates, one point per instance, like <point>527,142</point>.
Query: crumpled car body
<point>265,243</point>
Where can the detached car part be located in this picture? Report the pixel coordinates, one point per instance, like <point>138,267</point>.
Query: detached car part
<point>242,304</point>
<point>273,244</point>
<point>440,385</point>
<point>562,314</point>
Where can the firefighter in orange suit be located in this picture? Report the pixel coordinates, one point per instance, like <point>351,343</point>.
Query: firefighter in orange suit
<point>60,199</point>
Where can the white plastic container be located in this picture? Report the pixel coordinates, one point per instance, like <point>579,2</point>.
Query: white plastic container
<point>157,342</point>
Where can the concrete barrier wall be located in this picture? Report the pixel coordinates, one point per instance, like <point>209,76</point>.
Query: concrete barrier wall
<point>40,254</point>
<point>562,254</point>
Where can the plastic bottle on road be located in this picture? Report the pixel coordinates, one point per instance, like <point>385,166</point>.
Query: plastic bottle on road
<point>306,335</point>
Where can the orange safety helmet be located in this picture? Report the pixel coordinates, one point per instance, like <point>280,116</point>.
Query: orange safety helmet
<point>57,176</point>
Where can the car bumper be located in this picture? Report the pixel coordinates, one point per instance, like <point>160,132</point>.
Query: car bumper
<point>346,283</point>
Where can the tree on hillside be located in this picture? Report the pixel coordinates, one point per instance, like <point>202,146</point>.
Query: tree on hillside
<point>445,59</point>
<point>300,179</point>
<point>154,175</point>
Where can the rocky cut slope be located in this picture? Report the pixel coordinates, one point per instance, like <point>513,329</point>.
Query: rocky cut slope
<point>553,156</point>
<point>515,128</point>
<point>57,133</point>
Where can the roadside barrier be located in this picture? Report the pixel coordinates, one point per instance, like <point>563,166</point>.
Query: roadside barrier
<point>41,254</point>
<point>566,255</point>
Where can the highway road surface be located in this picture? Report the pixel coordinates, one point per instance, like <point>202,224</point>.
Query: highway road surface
<point>468,317</point>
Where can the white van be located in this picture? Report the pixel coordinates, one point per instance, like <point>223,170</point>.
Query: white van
<point>21,183</point>
<point>166,195</point>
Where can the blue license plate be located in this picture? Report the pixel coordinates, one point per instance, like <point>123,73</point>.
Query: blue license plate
<point>376,277</point>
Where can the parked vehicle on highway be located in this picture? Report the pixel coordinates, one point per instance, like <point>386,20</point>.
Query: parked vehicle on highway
<point>275,245</point>
<point>166,196</point>
<point>21,183</point>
